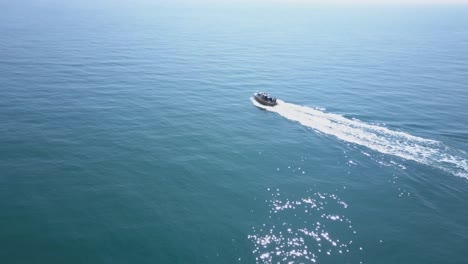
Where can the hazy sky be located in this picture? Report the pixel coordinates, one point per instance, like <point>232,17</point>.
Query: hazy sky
<point>320,2</point>
<point>324,2</point>
<point>215,3</point>
<point>313,2</point>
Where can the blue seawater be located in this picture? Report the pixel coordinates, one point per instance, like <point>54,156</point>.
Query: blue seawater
<point>128,134</point>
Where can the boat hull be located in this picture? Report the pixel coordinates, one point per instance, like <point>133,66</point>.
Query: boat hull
<point>264,102</point>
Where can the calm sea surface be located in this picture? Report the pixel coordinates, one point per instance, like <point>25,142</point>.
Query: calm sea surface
<point>128,135</point>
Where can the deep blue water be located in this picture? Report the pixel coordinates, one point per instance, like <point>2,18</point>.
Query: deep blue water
<point>128,134</point>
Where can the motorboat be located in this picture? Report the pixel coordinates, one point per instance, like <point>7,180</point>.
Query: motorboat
<point>265,99</point>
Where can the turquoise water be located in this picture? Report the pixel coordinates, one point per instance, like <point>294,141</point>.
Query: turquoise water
<point>129,136</point>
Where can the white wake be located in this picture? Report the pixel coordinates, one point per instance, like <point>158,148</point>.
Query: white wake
<point>378,138</point>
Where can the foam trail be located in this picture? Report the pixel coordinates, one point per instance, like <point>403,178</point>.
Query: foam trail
<point>378,138</point>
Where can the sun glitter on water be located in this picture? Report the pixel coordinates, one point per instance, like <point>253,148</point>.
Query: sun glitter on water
<point>304,230</point>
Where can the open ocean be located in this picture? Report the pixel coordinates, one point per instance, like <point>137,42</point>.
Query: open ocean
<point>128,134</point>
